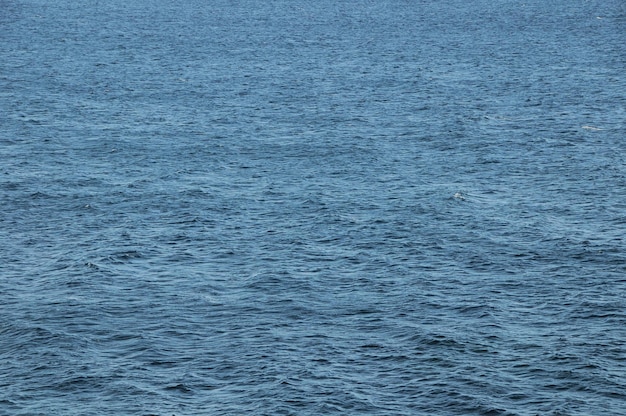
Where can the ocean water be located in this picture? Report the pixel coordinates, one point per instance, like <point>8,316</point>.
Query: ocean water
<point>282,207</point>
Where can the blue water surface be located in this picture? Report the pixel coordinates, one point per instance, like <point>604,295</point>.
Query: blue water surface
<point>283,207</point>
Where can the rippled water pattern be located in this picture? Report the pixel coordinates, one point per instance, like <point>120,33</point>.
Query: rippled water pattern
<point>312,208</point>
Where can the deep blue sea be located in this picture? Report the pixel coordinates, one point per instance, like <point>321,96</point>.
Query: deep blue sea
<point>289,207</point>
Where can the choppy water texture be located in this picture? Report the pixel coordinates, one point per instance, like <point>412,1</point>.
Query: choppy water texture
<point>312,208</point>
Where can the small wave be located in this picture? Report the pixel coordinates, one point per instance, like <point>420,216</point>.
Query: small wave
<point>180,388</point>
<point>592,128</point>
